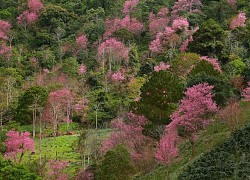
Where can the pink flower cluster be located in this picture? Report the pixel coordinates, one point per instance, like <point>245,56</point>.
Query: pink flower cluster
<point>5,50</point>
<point>82,104</point>
<point>161,39</point>
<point>18,143</point>
<point>82,69</point>
<point>167,147</point>
<point>161,67</point>
<point>194,108</point>
<point>128,133</point>
<point>4,29</point>
<point>180,23</point>
<point>159,22</point>
<point>238,21</point>
<point>131,24</point>
<point>129,5</point>
<point>114,48</point>
<point>191,6</point>
<point>246,93</point>
<point>118,76</point>
<point>192,115</point>
<point>82,41</point>
<point>57,168</point>
<point>30,16</point>
<point>213,61</point>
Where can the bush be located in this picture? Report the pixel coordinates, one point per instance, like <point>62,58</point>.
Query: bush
<point>116,165</point>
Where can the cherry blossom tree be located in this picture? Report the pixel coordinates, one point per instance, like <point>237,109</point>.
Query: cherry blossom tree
<point>127,131</point>
<point>190,6</point>
<point>56,170</point>
<point>18,144</point>
<point>238,21</point>
<point>194,111</point>
<point>159,22</point>
<point>112,52</point>
<point>131,24</point>
<point>30,16</point>
<point>4,29</point>
<point>180,23</point>
<point>82,42</point>
<point>246,93</point>
<point>35,5</point>
<point>82,106</point>
<point>167,147</point>
<point>60,101</point>
<point>118,76</point>
<point>129,5</point>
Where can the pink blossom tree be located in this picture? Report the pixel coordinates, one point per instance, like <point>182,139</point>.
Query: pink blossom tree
<point>189,6</point>
<point>112,52</point>
<point>30,16</point>
<point>118,76</point>
<point>238,21</point>
<point>194,111</point>
<point>35,5</point>
<point>56,170</point>
<point>81,43</point>
<point>131,24</point>
<point>60,102</point>
<point>246,93</point>
<point>159,22</point>
<point>180,23</point>
<point>167,148</point>
<point>128,6</point>
<point>18,144</point>
<point>4,29</point>
<point>82,107</point>
<point>128,131</point>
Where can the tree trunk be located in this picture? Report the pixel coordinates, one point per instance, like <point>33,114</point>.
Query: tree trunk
<point>34,121</point>
<point>40,140</point>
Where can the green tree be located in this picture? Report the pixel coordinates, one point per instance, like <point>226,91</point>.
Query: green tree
<point>33,99</point>
<point>209,40</point>
<point>9,171</point>
<point>159,97</point>
<point>116,165</point>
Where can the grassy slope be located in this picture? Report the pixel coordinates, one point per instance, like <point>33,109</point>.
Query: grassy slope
<point>62,148</point>
<point>216,133</point>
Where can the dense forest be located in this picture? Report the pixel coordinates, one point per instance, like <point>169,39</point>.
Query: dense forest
<point>124,89</point>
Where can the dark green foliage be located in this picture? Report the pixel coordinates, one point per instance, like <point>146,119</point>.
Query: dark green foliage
<point>34,97</point>
<point>159,97</point>
<point>70,67</point>
<point>2,139</point>
<point>220,11</point>
<point>229,160</point>
<point>209,39</point>
<point>116,165</point>
<point>9,171</point>
<point>222,89</point>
